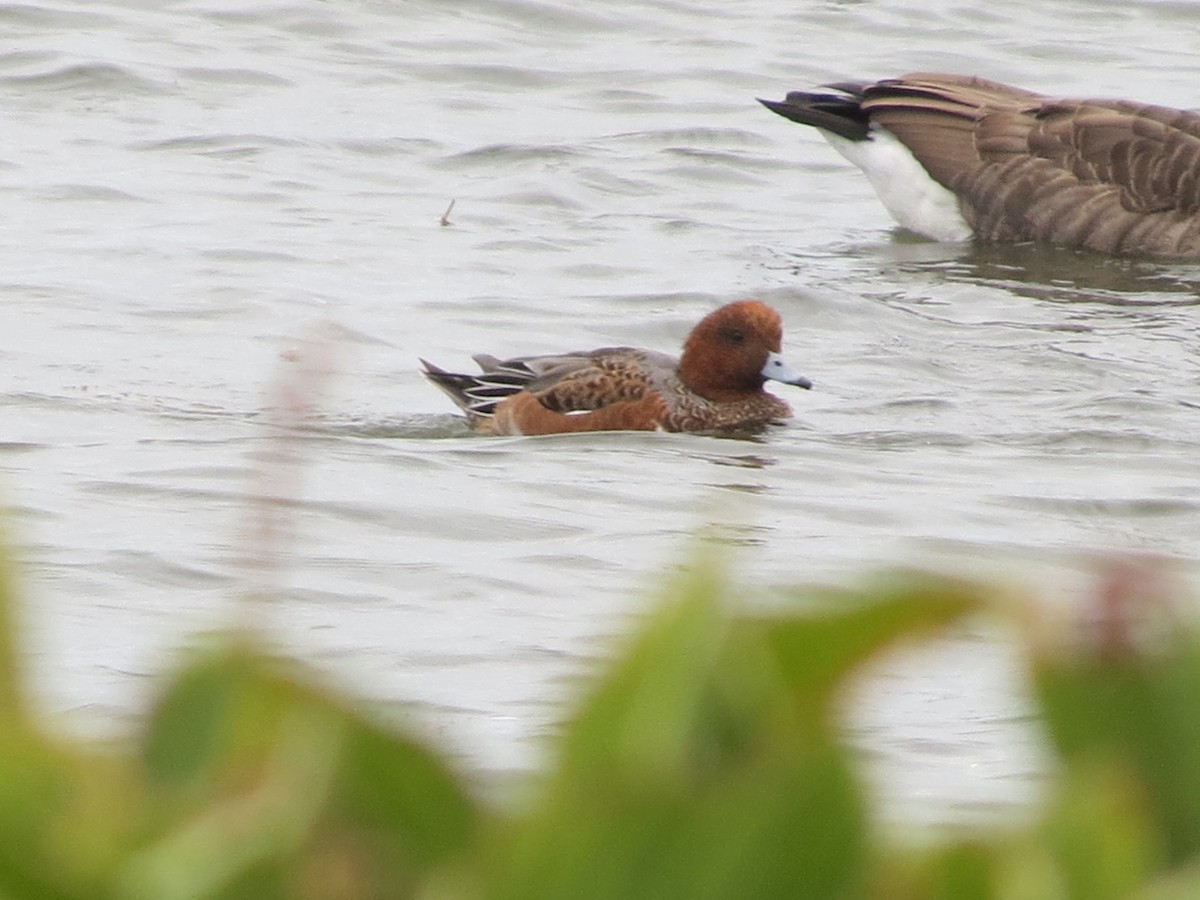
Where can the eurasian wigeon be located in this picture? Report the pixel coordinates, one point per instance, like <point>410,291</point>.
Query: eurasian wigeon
<point>716,384</point>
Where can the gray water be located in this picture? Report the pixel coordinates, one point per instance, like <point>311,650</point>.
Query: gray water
<point>193,192</point>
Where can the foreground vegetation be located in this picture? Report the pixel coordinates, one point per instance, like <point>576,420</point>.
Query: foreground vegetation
<point>706,762</point>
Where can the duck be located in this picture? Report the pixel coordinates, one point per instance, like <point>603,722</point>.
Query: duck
<point>955,157</point>
<point>715,385</point>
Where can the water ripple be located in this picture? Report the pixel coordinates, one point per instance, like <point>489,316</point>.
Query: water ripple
<point>35,16</point>
<point>86,78</point>
<point>219,145</point>
<point>188,188</point>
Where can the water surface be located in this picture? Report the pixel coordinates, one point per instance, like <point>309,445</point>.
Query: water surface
<point>191,191</point>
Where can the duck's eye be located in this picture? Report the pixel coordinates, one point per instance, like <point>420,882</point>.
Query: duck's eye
<point>735,336</point>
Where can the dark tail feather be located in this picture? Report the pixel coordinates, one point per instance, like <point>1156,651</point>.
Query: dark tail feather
<point>839,113</point>
<point>455,386</point>
<point>476,395</point>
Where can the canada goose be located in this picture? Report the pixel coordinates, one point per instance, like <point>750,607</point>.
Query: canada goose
<point>953,156</point>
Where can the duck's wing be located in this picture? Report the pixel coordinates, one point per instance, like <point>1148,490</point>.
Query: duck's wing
<point>565,383</point>
<point>600,378</point>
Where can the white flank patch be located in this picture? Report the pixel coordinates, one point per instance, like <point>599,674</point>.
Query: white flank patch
<point>914,199</point>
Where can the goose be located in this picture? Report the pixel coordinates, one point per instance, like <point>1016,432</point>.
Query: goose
<point>954,157</point>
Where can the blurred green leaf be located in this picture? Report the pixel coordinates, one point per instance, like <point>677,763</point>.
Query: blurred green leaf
<point>688,774</point>
<point>707,763</point>
<point>257,774</point>
<point>641,721</point>
<point>66,812</point>
<point>961,871</point>
<point>66,817</point>
<point>13,712</point>
<point>245,835</point>
<point>818,648</point>
<point>1100,831</point>
<point>1138,709</point>
<point>1181,884</point>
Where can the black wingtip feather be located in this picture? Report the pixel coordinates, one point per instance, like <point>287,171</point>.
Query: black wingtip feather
<point>838,113</point>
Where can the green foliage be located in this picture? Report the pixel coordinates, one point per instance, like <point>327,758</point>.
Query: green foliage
<point>707,762</point>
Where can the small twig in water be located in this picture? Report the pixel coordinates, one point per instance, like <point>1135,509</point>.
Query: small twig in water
<point>446,214</point>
